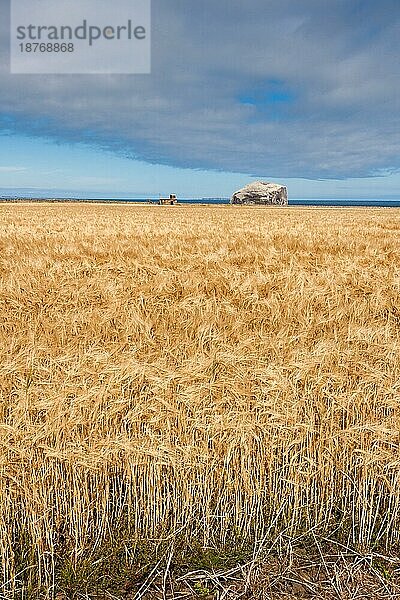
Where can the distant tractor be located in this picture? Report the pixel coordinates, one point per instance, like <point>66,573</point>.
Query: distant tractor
<point>171,200</point>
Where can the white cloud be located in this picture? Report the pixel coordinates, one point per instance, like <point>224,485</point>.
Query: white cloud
<point>11,169</point>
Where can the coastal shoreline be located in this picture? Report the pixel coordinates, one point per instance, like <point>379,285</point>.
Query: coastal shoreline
<point>294,203</point>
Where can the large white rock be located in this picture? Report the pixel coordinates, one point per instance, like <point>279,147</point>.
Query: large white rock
<point>261,192</point>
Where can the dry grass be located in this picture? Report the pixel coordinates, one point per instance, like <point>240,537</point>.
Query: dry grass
<point>210,376</point>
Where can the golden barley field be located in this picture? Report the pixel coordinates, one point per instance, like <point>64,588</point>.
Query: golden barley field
<point>197,379</point>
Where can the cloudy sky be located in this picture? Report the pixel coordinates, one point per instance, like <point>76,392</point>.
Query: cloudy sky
<point>303,92</point>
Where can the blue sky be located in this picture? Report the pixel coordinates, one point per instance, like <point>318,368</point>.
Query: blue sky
<point>303,93</point>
